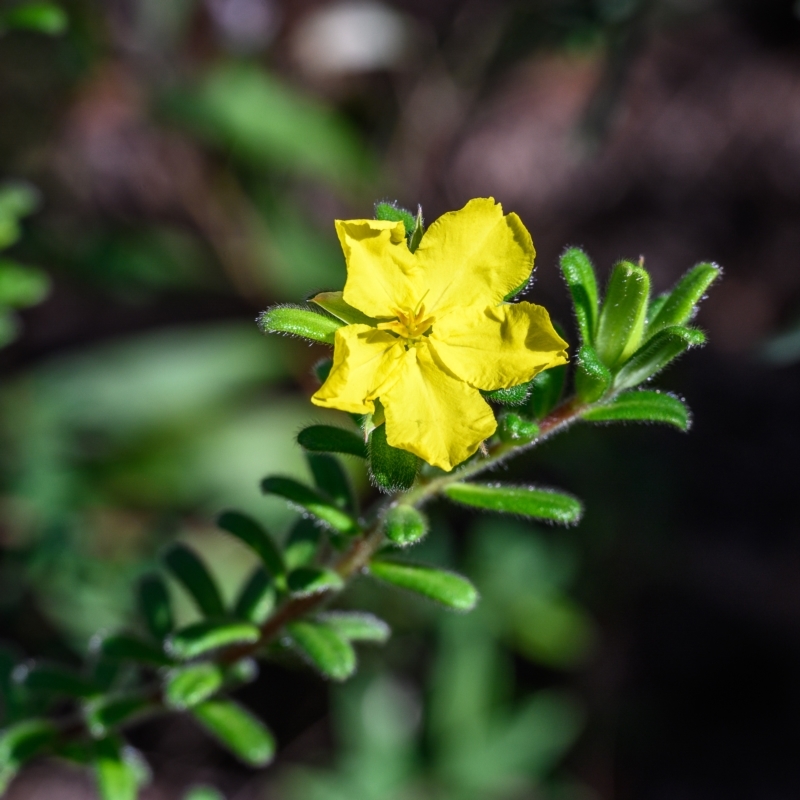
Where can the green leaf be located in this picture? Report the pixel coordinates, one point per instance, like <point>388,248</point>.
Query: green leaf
<point>622,318</point>
<point>21,742</point>
<point>238,730</point>
<point>187,686</point>
<point>54,679</point>
<point>515,396</point>
<point>656,353</point>
<point>334,304</point>
<point>312,580</point>
<point>247,530</point>
<point>201,637</point>
<point>18,199</point>
<point>415,237</point>
<point>45,18</point>
<point>390,469</point>
<point>391,212</point>
<point>405,525</point>
<point>327,439</point>
<point>656,304</point>
<point>592,377</point>
<point>356,626</point>
<point>302,544</point>
<point>447,588</point>
<point>256,599</point>
<point>299,321</point>
<point>20,286</point>
<point>513,429</point>
<point>155,605</point>
<point>642,406</point>
<point>324,648</point>
<point>187,567</point>
<point>679,305</point>
<point>124,647</point>
<point>330,478</point>
<point>528,502</point>
<point>580,276</point>
<point>312,501</point>
<point>116,777</point>
<point>108,713</point>
<point>546,389</point>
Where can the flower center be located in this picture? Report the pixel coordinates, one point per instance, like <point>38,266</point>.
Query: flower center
<point>409,324</point>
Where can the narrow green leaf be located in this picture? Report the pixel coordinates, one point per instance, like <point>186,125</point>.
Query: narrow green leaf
<point>415,237</point>
<point>679,306</point>
<point>21,742</point>
<point>513,429</point>
<point>580,276</point>
<point>312,501</point>
<point>107,713</point>
<point>334,304</point>
<point>405,525</point>
<point>642,406</point>
<point>387,211</point>
<point>302,545</point>
<point>592,377</point>
<point>299,321</point>
<point>155,605</point>
<point>390,469</point>
<point>621,324</point>
<point>116,778</point>
<point>546,389</point>
<point>41,17</point>
<point>330,478</point>
<point>187,686</point>
<point>656,353</point>
<point>447,588</point>
<point>55,679</point>
<point>653,309</point>
<point>238,730</point>
<point>356,626</point>
<point>327,439</point>
<point>256,599</point>
<point>187,567</point>
<point>20,286</point>
<point>313,580</point>
<point>324,648</point>
<point>247,530</point>
<point>515,396</point>
<point>202,637</point>
<point>536,503</point>
<point>125,647</point>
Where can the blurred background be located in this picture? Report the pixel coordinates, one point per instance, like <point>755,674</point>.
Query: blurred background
<point>188,158</point>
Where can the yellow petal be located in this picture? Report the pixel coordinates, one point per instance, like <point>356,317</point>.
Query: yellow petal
<point>432,414</point>
<point>365,360</point>
<point>473,258</point>
<point>500,347</point>
<point>381,272</point>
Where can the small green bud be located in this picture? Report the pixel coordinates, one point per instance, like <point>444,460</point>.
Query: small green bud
<point>511,428</point>
<point>622,318</point>
<point>299,321</point>
<point>405,525</point>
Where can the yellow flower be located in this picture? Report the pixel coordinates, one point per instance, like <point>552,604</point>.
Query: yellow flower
<point>436,328</point>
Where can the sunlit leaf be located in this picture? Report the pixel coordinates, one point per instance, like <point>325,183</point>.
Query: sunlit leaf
<point>447,588</point>
<point>210,634</point>
<point>324,647</point>
<point>642,406</point>
<point>526,501</point>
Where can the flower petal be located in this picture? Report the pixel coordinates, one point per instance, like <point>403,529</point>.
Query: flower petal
<point>433,414</point>
<point>502,346</point>
<point>365,360</point>
<point>473,258</point>
<point>382,275</point>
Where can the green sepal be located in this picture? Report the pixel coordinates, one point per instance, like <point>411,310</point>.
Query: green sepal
<point>580,276</point>
<point>592,377</point>
<point>313,580</point>
<point>514,429</point>
<point>299,321</point>
<point>331,478</point>
<point>526,501</point>
<point>405,525</point>
<point>621,324</point>
<point>256,599</point>
<point>328,439</point>
<point>126,647</point>
<point>302,544</point>
<point>155,606</point>
<point>546,390</point>
<point>21,742</point>
<point>192,573</point>
<point>117,777</point>
<point>451,590</point>
<point>107,713</point>
<point>54,679</point>
<point>324,648</point>
<point>251,533</point>
<point>390,469</point>
<point>679,305</point>
<point>237,730</point>
<point>20,286</point>
<point>642,406</point>
<point>185,687</point>
<point>356,626</point>
<point>515,396</point>
<point>202,637</point>
<point>334,304</point>
<point>314,502</point>
<point>415,237</point>
<point>387,211</point>
<point>656,353</point>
